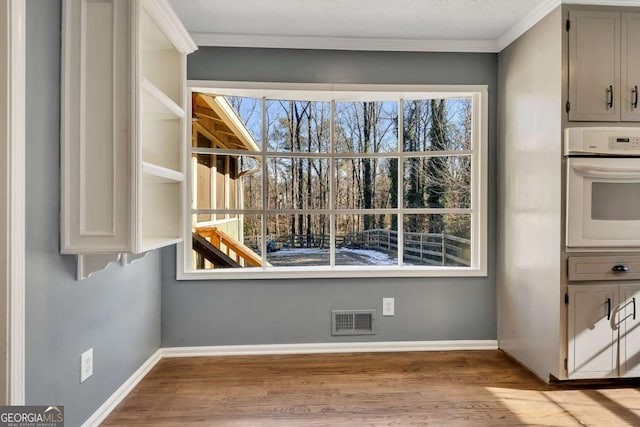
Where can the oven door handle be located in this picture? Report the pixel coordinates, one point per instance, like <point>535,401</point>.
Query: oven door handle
<point>600,172</point>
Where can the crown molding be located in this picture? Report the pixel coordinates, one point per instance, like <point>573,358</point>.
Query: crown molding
<point>630,3</point>
<point>343,43</point>
<point>398,44</point>
<point>164,15</point>
<point>544,9</point>
<point>526,23</point>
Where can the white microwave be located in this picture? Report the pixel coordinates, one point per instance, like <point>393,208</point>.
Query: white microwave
<point>603,188</point>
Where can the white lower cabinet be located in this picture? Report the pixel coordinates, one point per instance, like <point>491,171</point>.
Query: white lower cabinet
<point>604,337</point>
<point>629,332</point>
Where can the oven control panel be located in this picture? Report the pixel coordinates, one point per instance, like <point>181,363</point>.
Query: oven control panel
<point>624,143</point>
<point>612,141</point>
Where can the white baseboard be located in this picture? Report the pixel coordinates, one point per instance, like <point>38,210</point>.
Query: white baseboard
<point>246,350</point>
<point>110,404</point>
<point>350,347</point>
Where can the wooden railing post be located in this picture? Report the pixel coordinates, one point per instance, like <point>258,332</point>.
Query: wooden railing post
<point>444,248</point>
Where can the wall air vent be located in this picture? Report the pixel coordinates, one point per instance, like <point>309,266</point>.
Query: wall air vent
<point>352,322</point>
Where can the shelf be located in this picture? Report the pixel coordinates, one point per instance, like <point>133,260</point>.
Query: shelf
<point>157,105</point>
<point>159,174</point>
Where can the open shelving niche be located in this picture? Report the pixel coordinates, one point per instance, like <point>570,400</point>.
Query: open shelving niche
<point>161,156</point>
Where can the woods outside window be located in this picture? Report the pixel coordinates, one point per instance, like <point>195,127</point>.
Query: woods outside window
<point>348,182</point>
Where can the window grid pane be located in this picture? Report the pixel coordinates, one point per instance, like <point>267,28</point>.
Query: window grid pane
<point>333,173</point>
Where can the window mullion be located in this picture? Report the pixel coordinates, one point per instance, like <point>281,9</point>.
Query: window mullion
<point>400,180</point>
<point>265,183</point>
<point>332,184</point>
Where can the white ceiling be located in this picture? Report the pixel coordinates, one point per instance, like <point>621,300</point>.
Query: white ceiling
<point>420,25</point>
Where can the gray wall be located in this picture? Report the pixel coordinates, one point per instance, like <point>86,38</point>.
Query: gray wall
<point>117,312</point>
<point>297,311</point>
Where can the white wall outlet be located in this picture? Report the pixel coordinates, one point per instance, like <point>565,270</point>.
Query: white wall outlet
<point>86,365</point>
<point>388,306</point>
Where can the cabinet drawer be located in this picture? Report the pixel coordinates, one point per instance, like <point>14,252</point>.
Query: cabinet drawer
<point>602,268</point>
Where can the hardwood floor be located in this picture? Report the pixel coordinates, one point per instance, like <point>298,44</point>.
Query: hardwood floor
<point>474,388</point>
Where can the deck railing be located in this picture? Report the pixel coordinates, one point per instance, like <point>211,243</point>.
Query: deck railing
<point>235,250</point>
<point>423,248</point>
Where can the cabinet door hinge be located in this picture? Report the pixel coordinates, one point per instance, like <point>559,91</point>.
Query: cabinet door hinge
<point>566,299</point>
<point>566,364</point>
<point>568,25</point>
<point>568,106</point>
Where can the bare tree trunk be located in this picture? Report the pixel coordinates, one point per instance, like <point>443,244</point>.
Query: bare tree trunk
<point>293,171</point>
<point>436,168</point>
<point>309,191</point>
<point>366,163</point>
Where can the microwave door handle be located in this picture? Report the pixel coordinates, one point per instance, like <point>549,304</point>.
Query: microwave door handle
<point>596,172</point>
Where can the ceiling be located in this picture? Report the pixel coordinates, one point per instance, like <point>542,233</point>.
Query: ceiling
<point>416,25</point>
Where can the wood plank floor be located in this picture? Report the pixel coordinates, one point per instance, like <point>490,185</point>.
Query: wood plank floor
<point>474,388</point>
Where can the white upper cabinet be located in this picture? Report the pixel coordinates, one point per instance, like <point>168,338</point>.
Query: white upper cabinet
<point>594,66</point>
<point>123,126</point>
<point>630,66</point>
<point>604,66</point>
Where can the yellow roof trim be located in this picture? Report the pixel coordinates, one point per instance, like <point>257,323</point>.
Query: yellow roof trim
<point>221,106</point>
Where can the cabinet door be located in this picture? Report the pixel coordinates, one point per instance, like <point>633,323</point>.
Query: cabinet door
<point>96,119</point>
<point>629,332</point>
<point>630,67</point>
<point>592,339</point>
<point>594,66</point>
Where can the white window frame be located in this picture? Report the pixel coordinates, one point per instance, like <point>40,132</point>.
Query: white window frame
<point>340,92</point>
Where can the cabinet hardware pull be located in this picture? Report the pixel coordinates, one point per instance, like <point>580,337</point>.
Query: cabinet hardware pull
<point>610,96</point>
<point>633,301</point>
<point>608,308</point>
<point>620,268</point>
<point>634,91</point>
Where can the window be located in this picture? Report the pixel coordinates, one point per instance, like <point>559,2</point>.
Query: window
<point>336,181</point>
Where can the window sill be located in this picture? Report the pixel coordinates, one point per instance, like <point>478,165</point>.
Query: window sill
<point>330,273</point>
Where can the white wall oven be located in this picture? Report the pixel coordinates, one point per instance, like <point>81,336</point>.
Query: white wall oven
<point>603,188</point>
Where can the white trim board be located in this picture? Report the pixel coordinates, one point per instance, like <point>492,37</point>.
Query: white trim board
<point>249,350</point>
<point>396,44</point>
<point>326,348</point>
<point>13,152</point>
<point>123,391</point>
<point>342,43</point>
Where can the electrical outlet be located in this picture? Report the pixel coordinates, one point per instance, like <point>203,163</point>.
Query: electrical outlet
<point>388,306</point>
<point>86,365</point>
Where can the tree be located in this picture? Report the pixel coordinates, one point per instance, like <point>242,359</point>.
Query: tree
<point>365,181</point>
<point>458,192</point>
<point>414,193</point>
<point>436,166</point>
<point>369,121</point>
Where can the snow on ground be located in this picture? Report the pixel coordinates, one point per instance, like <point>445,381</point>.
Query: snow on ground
<point>317,256</point>
<point>298,251</point>
<point>375,257</point>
